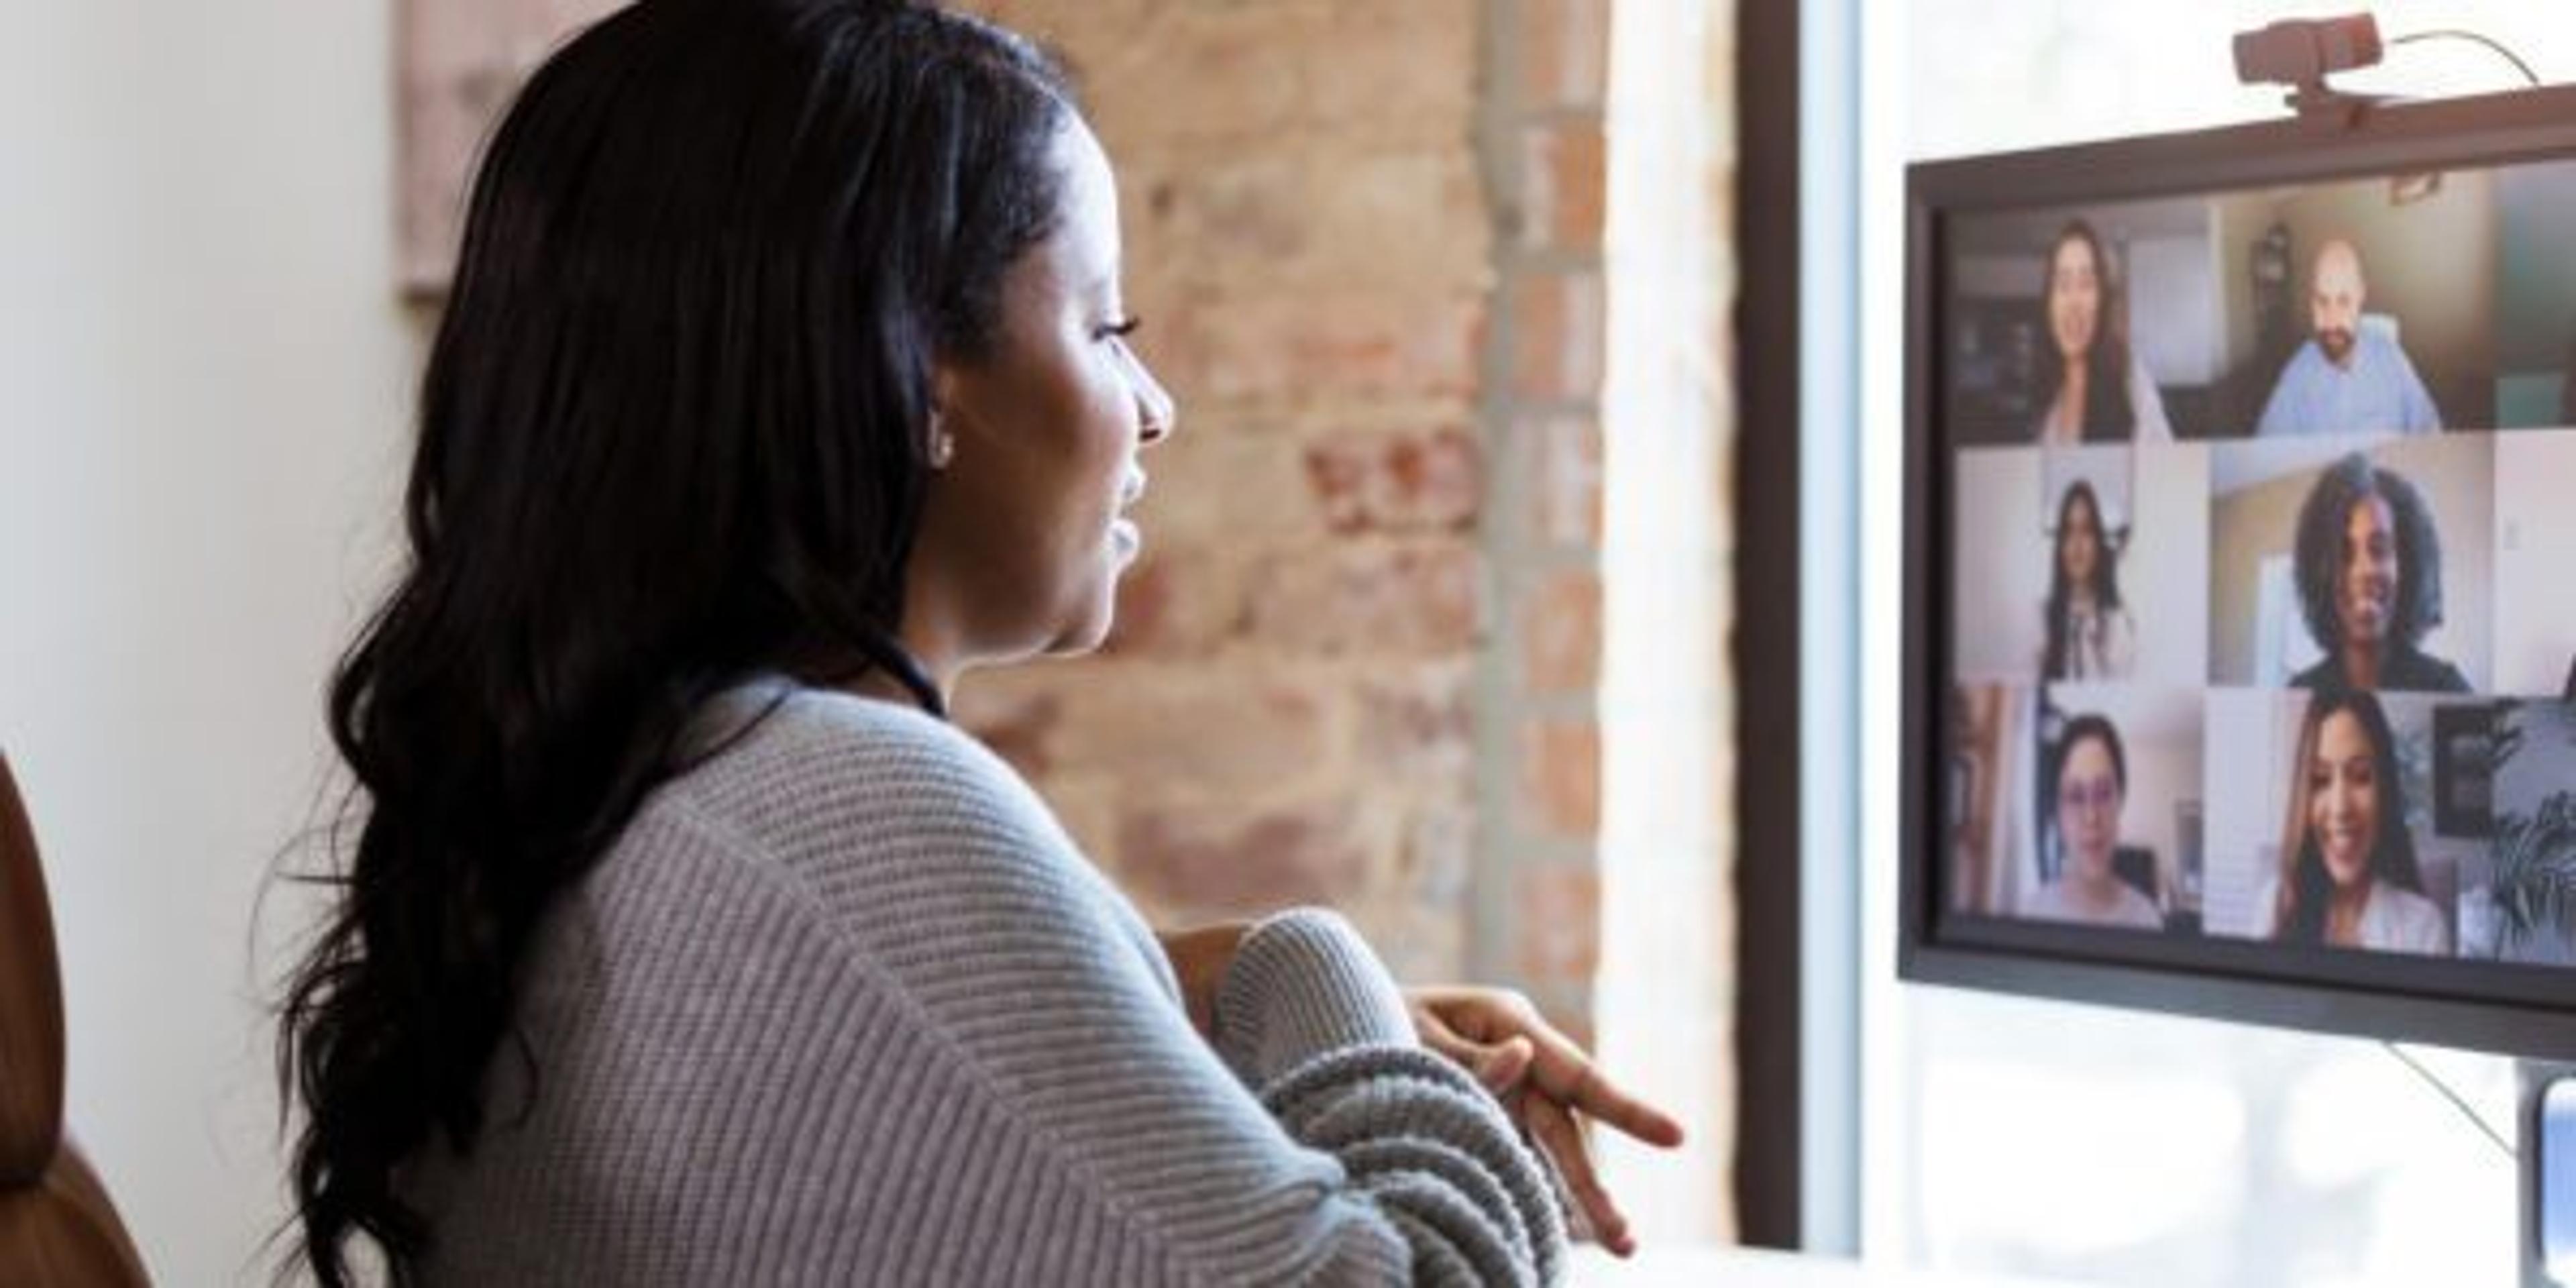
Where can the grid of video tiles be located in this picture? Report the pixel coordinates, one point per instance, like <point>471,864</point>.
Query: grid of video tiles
<point>2264,611</point>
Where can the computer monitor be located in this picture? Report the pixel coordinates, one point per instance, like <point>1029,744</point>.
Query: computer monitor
<point>2240,573</point>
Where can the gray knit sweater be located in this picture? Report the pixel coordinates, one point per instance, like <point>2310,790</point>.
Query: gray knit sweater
<point>845,1005</point>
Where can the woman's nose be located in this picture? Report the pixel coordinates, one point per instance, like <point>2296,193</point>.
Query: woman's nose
<point>1156,414</point>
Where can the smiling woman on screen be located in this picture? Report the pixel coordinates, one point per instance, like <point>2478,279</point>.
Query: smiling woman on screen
<point>2369,569</point>
<point>2348,876</point>
<point>2092,386</point>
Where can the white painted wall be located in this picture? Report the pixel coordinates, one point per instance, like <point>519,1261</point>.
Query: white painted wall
<point>2164,575</point>
<point>203,374</point>
<point>1667,847</point>
<point>2000,581</point>
<point>2535,543</point>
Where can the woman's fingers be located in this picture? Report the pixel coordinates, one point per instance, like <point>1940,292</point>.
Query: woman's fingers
<point>1551,1085</point>
<point>1501,1038</point>
<point>1500,1065</point>
<point>1566,1074</point>
<point>1559,1132</point>
<point>1503,1065</point>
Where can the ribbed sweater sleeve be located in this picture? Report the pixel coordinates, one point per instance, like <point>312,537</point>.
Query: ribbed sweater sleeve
<point>845,1005</point>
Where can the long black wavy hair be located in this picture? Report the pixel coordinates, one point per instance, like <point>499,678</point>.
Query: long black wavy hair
<point>2108,413</point>
<point>2106,577</point>
<point>2318,555</point>
<point>672,433</point>
<point>2306,888</point>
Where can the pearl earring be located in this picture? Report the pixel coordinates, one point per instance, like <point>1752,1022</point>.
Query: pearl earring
<point>943,448</point>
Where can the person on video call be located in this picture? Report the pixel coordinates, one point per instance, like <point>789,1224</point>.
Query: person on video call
<point>677,937</point>
<point>2096,388</point>
<point>2090,633</point>
<point>2091,773</point>
<point>2348,877</point>
<point>2369,569</point>
<point>2345,379</point>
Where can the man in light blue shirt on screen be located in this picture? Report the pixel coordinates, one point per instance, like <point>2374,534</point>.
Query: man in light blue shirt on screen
<point>2346,380</point>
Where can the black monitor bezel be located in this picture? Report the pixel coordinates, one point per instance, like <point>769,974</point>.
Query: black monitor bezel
<point>2524,1011</point>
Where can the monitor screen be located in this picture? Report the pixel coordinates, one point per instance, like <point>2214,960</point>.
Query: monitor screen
<point>2242,551</point>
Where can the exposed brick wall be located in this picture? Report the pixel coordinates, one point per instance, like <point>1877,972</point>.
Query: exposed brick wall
<point>1357,661</point>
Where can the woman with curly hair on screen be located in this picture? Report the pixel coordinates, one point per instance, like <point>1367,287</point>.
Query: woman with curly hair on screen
<point>680,939</point>
<point>2348,877</point>
<point>2369,569</point>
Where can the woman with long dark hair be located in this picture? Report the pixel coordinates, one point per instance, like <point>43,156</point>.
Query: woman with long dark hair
<point>2092,385</point>
<point>785,379</point>
<point>2348,876</point>
<point>2090,633</point>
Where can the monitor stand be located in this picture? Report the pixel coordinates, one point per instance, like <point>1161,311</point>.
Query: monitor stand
<point>2548,1199</point>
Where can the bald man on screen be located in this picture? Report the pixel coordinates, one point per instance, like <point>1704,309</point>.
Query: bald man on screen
<point>2346,380</point>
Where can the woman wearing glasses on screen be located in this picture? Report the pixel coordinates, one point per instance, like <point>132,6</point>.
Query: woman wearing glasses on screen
<point>2091,772</point>
<point>2369,567</point>
<point>2348,877</point>
<point>2097,388</point>
<point>2090,633</point>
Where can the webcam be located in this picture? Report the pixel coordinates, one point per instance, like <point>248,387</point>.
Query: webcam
<point>2302,52</point>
